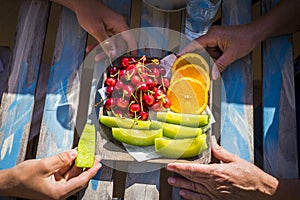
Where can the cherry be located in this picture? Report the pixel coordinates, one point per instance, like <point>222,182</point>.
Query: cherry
<point>122,103</point>
<point>149,100</point>
<point>110,82</point>
<point>125,62</point>
<point>157,107</point>
<point>144,115</point>
<point>150,83</point>
<point>110,102</point>
<point>142,86</point>
<point>155,72</point>
<point>164,81</point>
<point>159,94</point>
<point>109,90</point>
<point>131,69</point>
<point>119,86</point>
<point>162,71</point>
<point>122,73</point>
<point>134,108</point>
<point>113,71</point>
<point>128,90</point>
<point>166,102</point>
<point>135,80</point>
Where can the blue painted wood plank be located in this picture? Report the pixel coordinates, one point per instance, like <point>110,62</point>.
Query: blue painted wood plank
<point>237,94</point>
<point>58,125</point>
<point>17,103</point>
<point>279,126</point>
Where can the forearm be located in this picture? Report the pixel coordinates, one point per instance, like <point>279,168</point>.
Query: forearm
<point>7,182</point>
<point>281,19</point>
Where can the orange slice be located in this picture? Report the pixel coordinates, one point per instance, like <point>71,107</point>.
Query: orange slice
<point>188,95</point>
<point>193,71</point>
<point>190,58</point>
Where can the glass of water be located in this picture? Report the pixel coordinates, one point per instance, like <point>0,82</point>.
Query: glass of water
<point>200,14</point>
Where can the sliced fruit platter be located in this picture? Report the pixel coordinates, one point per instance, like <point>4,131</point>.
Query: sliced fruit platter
<point>145,105</point>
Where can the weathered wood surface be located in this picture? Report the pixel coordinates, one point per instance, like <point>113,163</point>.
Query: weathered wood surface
<point>279,122</point>
<point>5,55</point>
<point>58,124</point>
<point>237,91</point>
<point>17,103</point>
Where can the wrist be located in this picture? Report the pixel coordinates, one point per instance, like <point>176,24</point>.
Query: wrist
<point>8,182</point>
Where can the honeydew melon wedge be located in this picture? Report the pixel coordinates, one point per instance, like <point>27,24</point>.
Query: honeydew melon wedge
<point>191,120</point>
<point>181,148</point>
<point>124,123</point>
<point>86,147</point>
<point>136,137</point>
<point>180,132</point>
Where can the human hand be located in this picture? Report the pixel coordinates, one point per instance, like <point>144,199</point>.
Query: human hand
<point>226,44</point>
<point>49,178</point>
<point>233,179</point>
<point>102,22</point>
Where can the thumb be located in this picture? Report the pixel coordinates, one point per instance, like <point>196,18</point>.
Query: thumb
<point>221,154</point>
<point>62,160</point>
<point>222,62</point>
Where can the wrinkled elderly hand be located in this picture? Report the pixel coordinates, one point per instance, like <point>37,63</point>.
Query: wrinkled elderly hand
<point>49,178</point>
<point>226,44</point>
<point>233,179</point>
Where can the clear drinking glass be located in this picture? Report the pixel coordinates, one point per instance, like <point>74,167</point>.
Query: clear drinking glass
<point>200,14</point>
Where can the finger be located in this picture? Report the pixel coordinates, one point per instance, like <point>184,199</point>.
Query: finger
<point>187,184</point>
<point>73,172</point>
<point>79,182</point>
<point>192,46</point>
<point>109,47</point>
<point>89,48</point>
<point>221,154</point>
<point>62,161</point>
<point>190,170</point>
<point>186,194</point>
<point>225,59</point>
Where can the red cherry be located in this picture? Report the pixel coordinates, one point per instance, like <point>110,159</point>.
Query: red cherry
<point>142,86</point>
<point>113,71</point>
<point>164,81</point>
<point>155,72</point>
<point>162,71</point>
<point>149,100</point>
<point>110,82</point>
<point>122,73</point>
<point>109,90</point>
<point>166,102</point>
<point>159,94</point>
<point>110,102</point>
<point>128,90</point>
<point>125,62</point>
<point>135,80</point>
<point>122,103</point>
<point>119,86</point>
<point>135,108</point>
<point>131,69</point>
<point>143,115</point>
<point>157,107</point>
<point>150,83</point>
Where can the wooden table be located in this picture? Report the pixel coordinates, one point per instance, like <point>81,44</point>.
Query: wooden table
<point>36,98</point>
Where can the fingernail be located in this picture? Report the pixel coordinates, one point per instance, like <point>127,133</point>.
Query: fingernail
<point>73,153</point>
<point>182,193</point>
<point>171,180</point>
<point>215,72</point>
<point>170,167</point>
